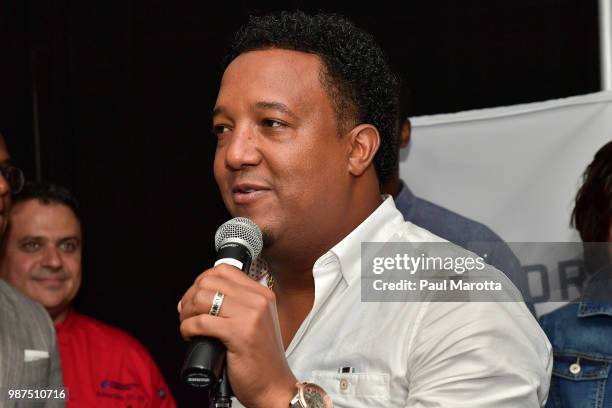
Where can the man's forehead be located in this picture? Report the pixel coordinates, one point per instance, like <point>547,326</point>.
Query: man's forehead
<point>272,68</point>
<point>273,76</point>
<point>32,217</point>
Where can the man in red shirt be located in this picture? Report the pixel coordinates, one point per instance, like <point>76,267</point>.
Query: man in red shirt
<point>102,365</point>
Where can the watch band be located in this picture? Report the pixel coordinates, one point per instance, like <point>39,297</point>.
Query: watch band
<point>310,395</point>
<point>295,402</point>
<point>298,400</point>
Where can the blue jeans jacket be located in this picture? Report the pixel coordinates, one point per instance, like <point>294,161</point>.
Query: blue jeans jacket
<point>581,336</point>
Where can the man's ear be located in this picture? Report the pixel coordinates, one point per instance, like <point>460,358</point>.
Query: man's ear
<point>405,132</point>
<point>364,142</point>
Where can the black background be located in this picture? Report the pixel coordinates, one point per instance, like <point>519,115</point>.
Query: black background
<point>122,92</point>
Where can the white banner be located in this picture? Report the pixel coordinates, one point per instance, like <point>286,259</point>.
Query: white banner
<point>516,169</point>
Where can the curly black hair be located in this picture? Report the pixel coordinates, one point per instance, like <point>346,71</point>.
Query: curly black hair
<point>356,75</point>
<point>592,215</point>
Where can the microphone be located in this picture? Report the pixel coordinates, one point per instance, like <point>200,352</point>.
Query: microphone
<point>238,241</point>
<point>223,397</point>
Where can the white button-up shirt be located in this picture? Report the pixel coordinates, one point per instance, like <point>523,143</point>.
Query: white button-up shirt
<point>414,354</point>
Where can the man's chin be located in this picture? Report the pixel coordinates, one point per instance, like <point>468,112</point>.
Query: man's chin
<point>51,300</point>
<point>52,304</point>
<point>55,309</point>
<point>256,216</point>
<point>262,223</point>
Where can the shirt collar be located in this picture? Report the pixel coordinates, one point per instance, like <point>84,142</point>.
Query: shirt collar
<point>596,293</point>
<point>347,253</point>
<point>376,228</point>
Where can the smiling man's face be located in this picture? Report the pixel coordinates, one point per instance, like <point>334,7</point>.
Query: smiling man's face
<point>280,160</point>
<point>42,254</point>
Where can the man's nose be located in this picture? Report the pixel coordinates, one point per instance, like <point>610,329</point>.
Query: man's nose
<point>242,149</point>
<point>52,259</point>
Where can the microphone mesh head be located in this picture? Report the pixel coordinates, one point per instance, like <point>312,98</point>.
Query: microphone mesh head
<point>242,231</point>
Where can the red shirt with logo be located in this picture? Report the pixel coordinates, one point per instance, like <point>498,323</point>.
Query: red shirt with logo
<point>103,366</point>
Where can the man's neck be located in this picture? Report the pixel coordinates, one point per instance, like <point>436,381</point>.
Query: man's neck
<point>393,186</point>
<point>59,316</point>
<point>291,265</point>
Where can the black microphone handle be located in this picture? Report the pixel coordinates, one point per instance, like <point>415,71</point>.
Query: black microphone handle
<point>223,397</point>
<point>205,358</point>
<point>204,362</point>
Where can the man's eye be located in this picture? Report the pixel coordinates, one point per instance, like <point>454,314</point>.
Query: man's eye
<point>68,246</point>
<point>219,129</point>
<point>273,123</point>
<point>30,246</point>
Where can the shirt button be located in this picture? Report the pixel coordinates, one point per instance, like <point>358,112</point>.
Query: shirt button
<point>575,368</point>
<point>344,384</point>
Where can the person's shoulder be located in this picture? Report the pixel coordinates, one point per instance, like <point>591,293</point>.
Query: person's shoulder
<point>563,315</point>
<point>30,313</point>
<point>12,299</point>
<point>449,224</point>
<point>497,329</point>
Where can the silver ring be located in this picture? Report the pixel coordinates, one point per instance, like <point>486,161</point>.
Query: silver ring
<point>216,304</point>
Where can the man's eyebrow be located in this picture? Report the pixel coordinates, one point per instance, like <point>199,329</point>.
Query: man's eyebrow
<point>281,107</point>
<point>218,110</point>
<point>30,238</point>
<point>278,106</point>
<point>71,238</point>
<point>44,238</point>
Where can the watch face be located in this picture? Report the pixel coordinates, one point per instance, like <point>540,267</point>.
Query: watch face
<point>315,397</point>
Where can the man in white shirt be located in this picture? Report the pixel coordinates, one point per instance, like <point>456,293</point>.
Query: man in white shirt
<point>306,125</point>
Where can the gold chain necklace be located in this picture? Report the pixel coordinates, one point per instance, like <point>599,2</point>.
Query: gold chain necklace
<point>270,282</point>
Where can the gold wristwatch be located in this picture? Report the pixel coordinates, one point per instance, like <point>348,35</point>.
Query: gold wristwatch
<point>310,395</point>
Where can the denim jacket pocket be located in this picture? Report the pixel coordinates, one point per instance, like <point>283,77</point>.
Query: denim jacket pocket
<point>579,380</point>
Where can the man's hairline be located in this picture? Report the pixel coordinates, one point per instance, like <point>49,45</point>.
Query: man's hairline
<point>328,83</point>
<point>7,230</point>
